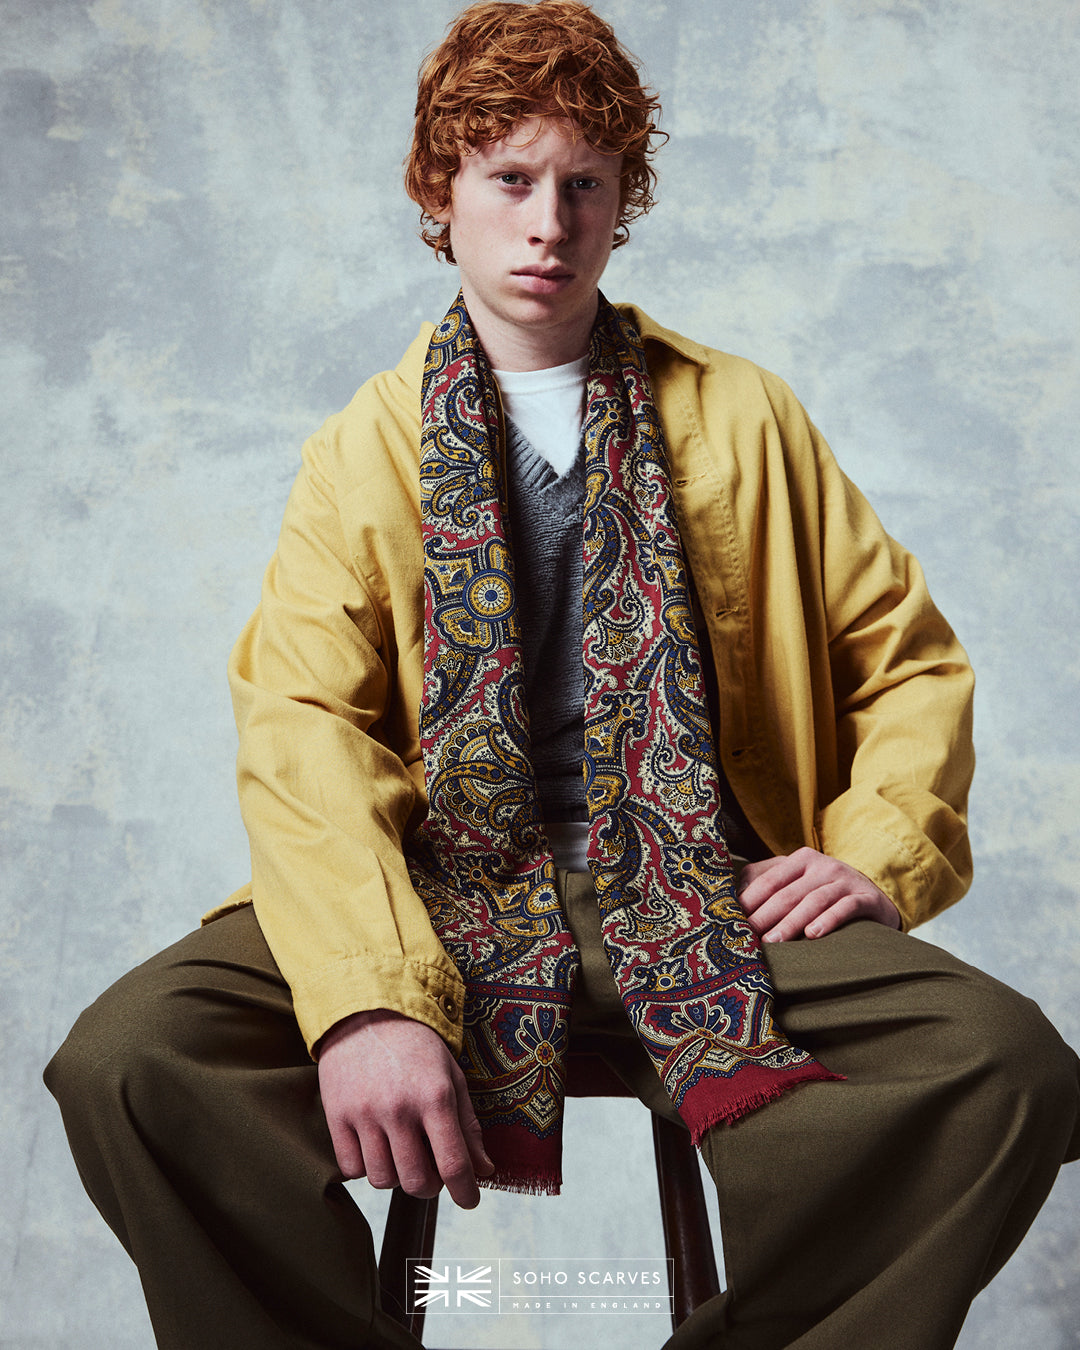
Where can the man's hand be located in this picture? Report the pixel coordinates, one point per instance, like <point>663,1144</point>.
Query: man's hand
<point>807,894</point>
<point>398,1107</point>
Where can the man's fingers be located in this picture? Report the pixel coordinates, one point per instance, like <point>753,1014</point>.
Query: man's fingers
<point>767,908</point>
<point>470,1127</point>
<point>417,1169</point>
<point>347,1151</point>
<point>456,1142</point>
<point>410,1145</point>
<point>761,880</point>
<point>474,1139</point>
<point>451,1158</point>
<point>379,1160</point>
<point>872,905</point>
<point>833,918</point>
<point>788,914</point>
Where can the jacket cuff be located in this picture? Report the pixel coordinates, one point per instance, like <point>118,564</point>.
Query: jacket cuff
<point>431,994</point>
<point>322,997</point>
<point>878,840</point>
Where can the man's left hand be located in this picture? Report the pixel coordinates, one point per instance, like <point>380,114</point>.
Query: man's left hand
<point>808,894</point>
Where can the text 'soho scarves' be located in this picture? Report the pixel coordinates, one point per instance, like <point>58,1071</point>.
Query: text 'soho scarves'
<point>683,955</point>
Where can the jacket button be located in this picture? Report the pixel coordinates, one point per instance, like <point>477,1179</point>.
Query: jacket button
<point>449,1007</point>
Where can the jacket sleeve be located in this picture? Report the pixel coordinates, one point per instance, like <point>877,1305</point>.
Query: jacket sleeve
<point>325,796</point>
<point>900,767</point>
<point>845,700</point>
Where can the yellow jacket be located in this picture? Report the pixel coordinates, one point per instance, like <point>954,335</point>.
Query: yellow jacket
<point>845,699</point>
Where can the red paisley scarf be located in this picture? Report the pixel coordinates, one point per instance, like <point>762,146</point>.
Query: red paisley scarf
<point>683,955</point>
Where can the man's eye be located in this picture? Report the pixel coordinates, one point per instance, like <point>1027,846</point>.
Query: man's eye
<point>585,184</point>
<point>510,179</point>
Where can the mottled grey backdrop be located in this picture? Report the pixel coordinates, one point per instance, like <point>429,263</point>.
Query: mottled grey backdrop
<point>205,248</point>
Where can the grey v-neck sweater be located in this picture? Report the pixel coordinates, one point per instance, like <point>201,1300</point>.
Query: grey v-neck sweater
<point>546,529</point>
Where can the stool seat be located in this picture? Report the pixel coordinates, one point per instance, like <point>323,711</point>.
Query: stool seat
<point>410,1222</point>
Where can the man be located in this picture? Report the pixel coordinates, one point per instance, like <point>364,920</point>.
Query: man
<point>498,568</point>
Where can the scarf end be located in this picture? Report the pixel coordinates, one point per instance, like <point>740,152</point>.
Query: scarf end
<point>538,1183</point>
<point>704,1106</point>
<point>524,1163</point>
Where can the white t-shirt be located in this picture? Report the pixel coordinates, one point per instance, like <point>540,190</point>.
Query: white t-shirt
<point>548,406</point>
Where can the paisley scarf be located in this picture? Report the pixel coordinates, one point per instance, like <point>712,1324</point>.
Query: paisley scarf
<point>683,955</point>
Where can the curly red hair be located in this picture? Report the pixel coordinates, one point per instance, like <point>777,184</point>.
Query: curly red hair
<point>501,63</point>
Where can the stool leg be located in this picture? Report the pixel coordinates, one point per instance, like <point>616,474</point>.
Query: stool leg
<point>687,1235</point>
<point>409,1232</point>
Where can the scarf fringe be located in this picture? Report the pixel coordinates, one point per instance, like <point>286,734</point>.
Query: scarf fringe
<point>546,1183</point>
<point>729,1108</point>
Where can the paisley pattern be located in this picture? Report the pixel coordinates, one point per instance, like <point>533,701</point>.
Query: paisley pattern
<point>682,952</point>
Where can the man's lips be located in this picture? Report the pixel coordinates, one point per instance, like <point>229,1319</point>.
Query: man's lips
<point>544,280</point>
<point>552,273</point>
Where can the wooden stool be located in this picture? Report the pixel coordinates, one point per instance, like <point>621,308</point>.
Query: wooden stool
<point>410,1223</point>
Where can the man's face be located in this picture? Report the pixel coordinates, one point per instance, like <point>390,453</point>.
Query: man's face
<point>532,220</point>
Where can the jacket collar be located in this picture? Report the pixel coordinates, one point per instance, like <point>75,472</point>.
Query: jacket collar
<point>651,331</point>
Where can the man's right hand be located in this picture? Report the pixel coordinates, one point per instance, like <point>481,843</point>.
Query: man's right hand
<point>398,1107</point>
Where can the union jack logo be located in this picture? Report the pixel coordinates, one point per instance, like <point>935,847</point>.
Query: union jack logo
<point>450,1286</point>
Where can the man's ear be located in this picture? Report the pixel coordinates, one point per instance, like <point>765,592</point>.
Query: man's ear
<point>441,214</point>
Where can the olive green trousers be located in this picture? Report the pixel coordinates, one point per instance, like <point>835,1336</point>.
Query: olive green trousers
<point>859,1214</point>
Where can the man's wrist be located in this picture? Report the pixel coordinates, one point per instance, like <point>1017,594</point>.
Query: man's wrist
<point>358,1021</point>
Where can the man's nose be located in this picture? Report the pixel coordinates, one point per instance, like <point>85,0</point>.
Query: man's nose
<point>550,218</point>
